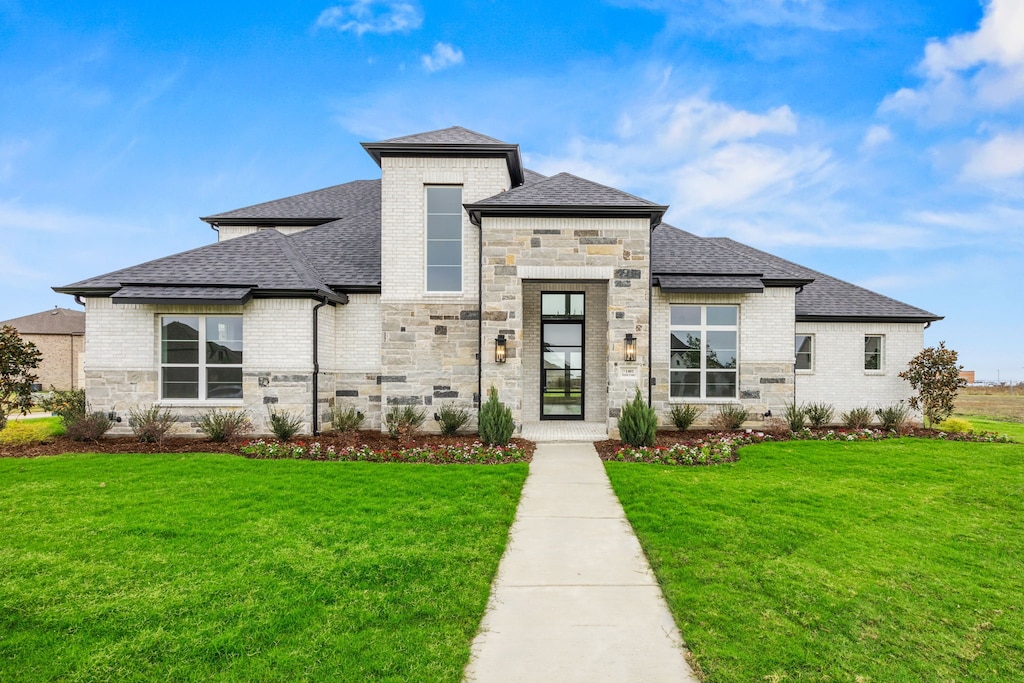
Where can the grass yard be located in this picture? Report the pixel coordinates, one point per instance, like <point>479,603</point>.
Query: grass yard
<point>199,566</point>
<point>1014,430</point>
<point>897,560</point>
<point>30,430</point>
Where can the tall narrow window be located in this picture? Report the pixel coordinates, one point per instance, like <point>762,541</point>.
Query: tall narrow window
<point>200,357</point>
<point>704,350</point>
<point>873,352</point>
<point>805,352</point>
<point>444,239</point>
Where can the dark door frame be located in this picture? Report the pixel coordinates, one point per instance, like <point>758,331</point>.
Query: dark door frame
<point>581,320</point>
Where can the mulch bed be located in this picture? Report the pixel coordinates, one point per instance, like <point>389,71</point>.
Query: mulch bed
<point>178,444</point>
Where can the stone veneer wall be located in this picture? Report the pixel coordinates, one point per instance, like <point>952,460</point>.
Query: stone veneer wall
<point>838,375</point>
<point>123,350</point>
<point>568,250</point>
<point>765,350</point>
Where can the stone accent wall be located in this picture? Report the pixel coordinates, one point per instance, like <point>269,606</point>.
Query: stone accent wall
<point>61,366</point>
<point>838,375</point>
<point>765,350</point>
<point>567,251</point>
<point>123,353</point>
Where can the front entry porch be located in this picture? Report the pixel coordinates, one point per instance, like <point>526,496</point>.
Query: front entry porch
<point>565,430</point>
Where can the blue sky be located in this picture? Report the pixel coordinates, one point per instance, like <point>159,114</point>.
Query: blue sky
<point>880,142</point>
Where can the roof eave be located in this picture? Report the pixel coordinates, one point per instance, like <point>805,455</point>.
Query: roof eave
<point>496,150</point>
<point>478,211</point>
<point>264,221</point>
<point>805,318</point>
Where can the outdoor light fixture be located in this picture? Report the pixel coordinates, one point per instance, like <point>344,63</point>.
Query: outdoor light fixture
<point>629,348</point>
<point>499,349</point>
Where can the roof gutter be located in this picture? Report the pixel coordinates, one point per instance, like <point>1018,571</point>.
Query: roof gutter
<point>316,365</point>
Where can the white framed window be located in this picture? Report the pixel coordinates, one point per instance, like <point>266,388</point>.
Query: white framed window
<point>704,352</point>
<point>874,348</point>
<point>804,344</point>
<point>444,238</point>
<point>200,357</point>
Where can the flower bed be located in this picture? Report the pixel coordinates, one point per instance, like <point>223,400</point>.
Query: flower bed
<point>474,453</point>
<point>714,448</point>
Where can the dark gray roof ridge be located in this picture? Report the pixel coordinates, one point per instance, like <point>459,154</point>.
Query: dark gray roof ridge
<point>539,193</point>
<point>457,135</point>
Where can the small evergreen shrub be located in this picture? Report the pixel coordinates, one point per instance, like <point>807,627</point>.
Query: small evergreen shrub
<point>954,425</point>
<point>284,424</point>
<point>857,418</point>
<point>795,416</point>
<point>638,423</point>
<point>65,404</point>
<point>730,416</point>
<point>401,421</point>
<point>819,414</point>
<point>452,419</point>
<point>150,424</point>
<point>494,421</point>
<point>220,425</point>
<point>683,416</point>
<point>88,426</point>
<point>346,419</point>
<point>894,418</point>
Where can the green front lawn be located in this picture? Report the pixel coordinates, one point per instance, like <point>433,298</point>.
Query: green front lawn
<point>1014,430</point>
<point>897,560</point>
<point>198,566</point>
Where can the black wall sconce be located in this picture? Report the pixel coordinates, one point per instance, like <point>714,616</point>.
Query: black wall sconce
<point>629,348</point>
<point>499,349</point>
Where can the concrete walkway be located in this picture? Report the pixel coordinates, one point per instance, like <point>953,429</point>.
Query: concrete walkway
<point>575,599</point>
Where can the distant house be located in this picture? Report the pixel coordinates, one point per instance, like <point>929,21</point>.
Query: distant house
<point>968,375</point>
<point>59,334</point>
<point>459,269</point>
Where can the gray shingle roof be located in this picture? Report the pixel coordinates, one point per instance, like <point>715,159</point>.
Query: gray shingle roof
<point>567,190</point>
<point>677,252</point>
<point>319,205</point>
<point>135,294</point>
<point>531,177</point>
<point>707,284</point>
<point>345,252</point>
<point>455,135</point>
<point>53,321</point>
<point>830,298</point>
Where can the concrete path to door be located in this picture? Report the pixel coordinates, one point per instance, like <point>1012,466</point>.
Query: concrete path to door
<point>575,599</point>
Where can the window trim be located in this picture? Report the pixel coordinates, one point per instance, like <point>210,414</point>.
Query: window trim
<point>703,370</point>
<point>880,370</point>
<point>202,365</point>
<point>427,240</point>
<point>811,354</point>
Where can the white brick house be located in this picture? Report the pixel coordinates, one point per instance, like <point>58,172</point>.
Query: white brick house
<point>459,269</point>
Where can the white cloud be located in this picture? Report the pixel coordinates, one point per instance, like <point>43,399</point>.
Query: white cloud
<point>980,71</point>
<point>372,16</point>
<point>1000,157</point>
<point>443,57</point>
<point>25,220</point>
<point>875,137</point>
<point>813,14</point>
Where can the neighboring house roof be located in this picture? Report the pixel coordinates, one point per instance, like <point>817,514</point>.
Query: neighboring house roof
<point>263,263</point>
<point>565,195</point>
<point>53,321</point>
<point>308,208</point>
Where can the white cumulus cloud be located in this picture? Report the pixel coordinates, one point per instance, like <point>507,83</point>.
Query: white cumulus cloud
<point>372,16</point>
<point>442,57</point>
<point>875,137</point>
<point>1000,157</point>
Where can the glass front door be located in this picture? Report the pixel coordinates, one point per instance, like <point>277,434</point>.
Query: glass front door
<point>562,349</point>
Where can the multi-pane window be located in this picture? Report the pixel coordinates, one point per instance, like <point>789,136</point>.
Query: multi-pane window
<point>804,352</point>
<point>200,357</point>
<point>703,358</point>
<point>444,239</point>
<point>873,351</point>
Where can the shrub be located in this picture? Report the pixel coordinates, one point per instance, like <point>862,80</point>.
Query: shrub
<point>819,414</point>
<point>220,425</point>
<point>638,423</point>
<point>795,416</point>
<point>730,416</point>
<point>150,424</point>
<point>346,419</point>
<point>17,360</point>
<point>894,418</point>
<point>88,426</point>
<point>284,424</point>
<point>857,418</point>
<point>683,416</point>
<point>401,421</point>
<point>65,404</point>
<point>955,425</point>
<point>935,375</point>
<point>495,420</point>
<point>452,419</point>
<point>777,428</point>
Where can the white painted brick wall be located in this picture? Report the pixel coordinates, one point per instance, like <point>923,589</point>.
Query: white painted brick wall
<point>227,232</point>
<point>839,376</point>
<point>358,334</point>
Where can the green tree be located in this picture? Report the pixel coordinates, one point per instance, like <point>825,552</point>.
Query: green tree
<point>935,375</point>
<point>17,360</point>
